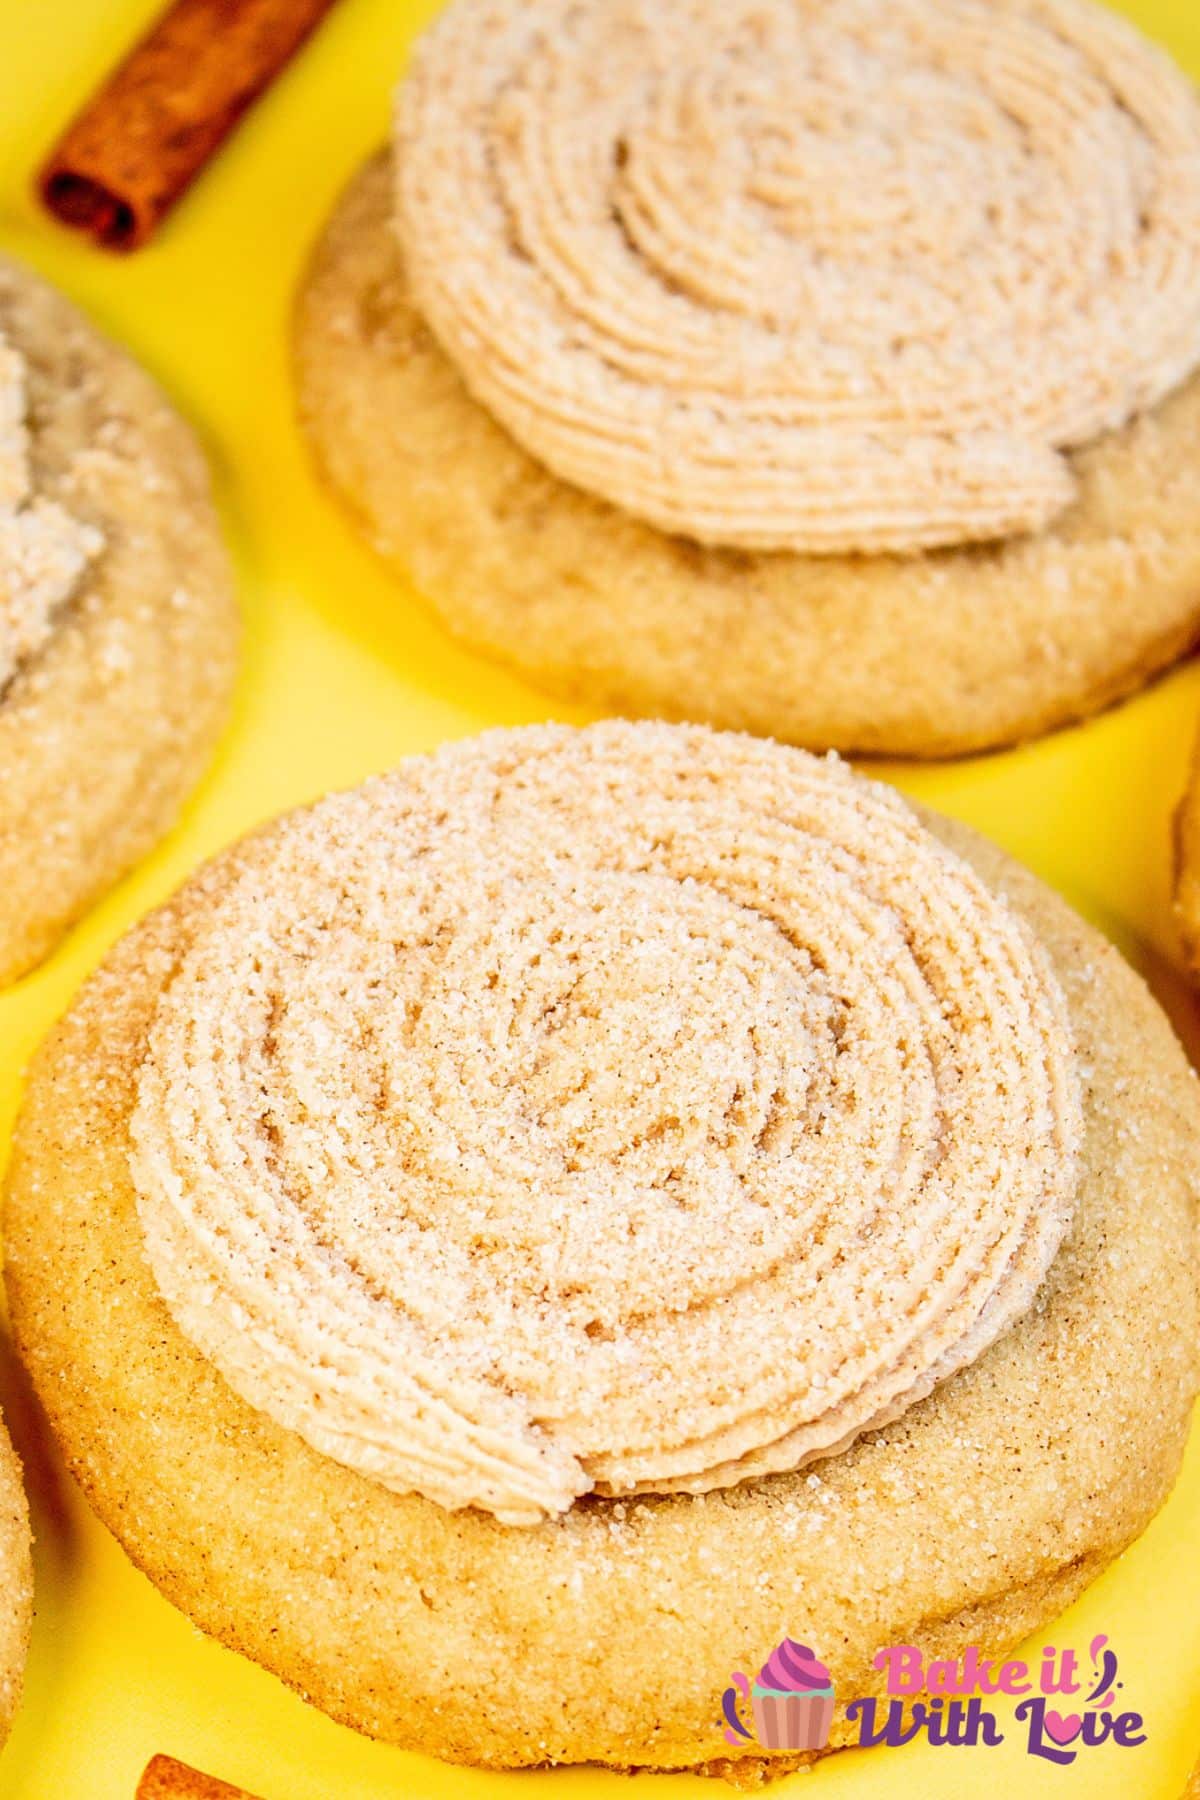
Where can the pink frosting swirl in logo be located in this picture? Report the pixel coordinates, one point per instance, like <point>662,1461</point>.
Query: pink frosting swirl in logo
<point>793,1668</point>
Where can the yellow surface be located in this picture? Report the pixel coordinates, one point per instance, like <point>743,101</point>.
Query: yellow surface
<point>344,674</point>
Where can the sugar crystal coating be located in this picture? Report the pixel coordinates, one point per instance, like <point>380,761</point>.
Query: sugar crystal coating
<point>817,275</point>
<point>635,1108</point>
<point>43,550</point>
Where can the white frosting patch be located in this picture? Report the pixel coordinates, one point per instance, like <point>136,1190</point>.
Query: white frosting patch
<point>43,550</point>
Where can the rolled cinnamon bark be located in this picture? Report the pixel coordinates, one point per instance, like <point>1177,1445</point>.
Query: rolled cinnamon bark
<point>139,143</point>
<point>166,1779</point>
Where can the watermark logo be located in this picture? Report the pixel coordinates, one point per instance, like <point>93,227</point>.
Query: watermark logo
<point>1060,1710</point>
<point>791,1702</point>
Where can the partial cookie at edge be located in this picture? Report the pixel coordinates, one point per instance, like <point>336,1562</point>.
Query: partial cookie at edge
<point>107,728</point>
<point>16,1583</point>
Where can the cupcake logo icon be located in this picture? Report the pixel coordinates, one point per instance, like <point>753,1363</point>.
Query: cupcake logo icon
<point>791,1701</point>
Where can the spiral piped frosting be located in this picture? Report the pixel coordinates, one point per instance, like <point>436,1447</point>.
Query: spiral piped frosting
<point>43,550</point>
<point>635,1108</point>
<point>817,275</point>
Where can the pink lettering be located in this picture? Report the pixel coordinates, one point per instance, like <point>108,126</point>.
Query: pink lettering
<point>904,1668</point>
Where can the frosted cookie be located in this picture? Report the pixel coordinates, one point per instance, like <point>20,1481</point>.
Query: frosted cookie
<point>117,624</point>
<point>16,1583</point>
<point>639,1188</point>
<point>826,372</point>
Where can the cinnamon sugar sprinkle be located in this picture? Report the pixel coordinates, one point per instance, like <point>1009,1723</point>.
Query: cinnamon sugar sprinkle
<point>635,1108</point>
<point>816,275</point>
<point>43,550</point>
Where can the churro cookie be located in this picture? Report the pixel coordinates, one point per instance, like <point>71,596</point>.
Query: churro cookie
<point>117,623</point>
<point>639,1188</point>
<point>824,371</point>
<point>16,1583</point>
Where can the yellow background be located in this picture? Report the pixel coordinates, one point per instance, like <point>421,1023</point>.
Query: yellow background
<point>345,674</point>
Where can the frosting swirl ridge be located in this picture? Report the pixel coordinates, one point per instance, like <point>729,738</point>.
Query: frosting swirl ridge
<point>812,275</point>
<point>504,1119</point>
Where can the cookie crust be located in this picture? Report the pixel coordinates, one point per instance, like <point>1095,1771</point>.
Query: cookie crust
<point>107,728</point>
<point>609,1633</point>
<point>934,655</point>
<point>16,1583</point>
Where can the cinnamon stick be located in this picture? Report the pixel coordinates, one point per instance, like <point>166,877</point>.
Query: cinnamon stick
<point>166,1779</point>
<point>138,145</point>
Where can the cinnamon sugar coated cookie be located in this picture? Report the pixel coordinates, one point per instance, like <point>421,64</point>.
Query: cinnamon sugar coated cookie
<point>594,1009</point>
<point>780,275</point>
<point>367,1205</point>
<point>16,1583</point>
<point>656,411</point>
<point>118,631</point>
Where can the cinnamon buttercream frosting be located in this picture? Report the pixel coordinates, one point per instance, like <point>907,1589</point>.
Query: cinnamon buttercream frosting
<point>635,1108</point>
<point>43,550</point>
<point>815,275</point>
